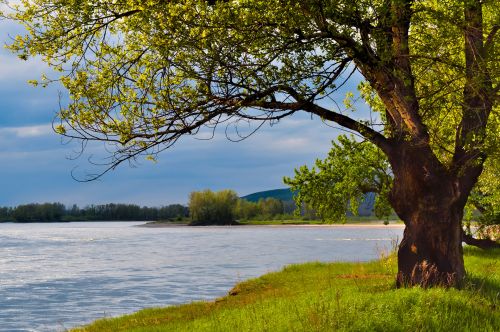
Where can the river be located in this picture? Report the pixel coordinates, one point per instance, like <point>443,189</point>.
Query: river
<point>60,275</point>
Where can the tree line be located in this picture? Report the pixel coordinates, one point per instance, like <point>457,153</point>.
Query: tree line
<point>53,212</point>
<point>205,207</point>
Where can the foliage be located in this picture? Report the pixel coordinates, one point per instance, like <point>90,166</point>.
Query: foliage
<point>486,197</point>
<point>282,196</point>
<point>224,207</point>
<point>246,210</point>
<point>38,212</point>
<point>49,212</point>
<point>129,212</point>
<point>218,204</point>
<point>333,297</point>
<point>338,183</point>
<point>225,60</point>
<point>270,206</point>
<point>5,214</point>
<point>255,60</point>
<point>208,207</point>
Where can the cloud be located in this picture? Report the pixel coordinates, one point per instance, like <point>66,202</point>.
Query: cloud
<point>27,131</point>
<point>11,67</point>
<point>14,69</point>
<point>20,103</point>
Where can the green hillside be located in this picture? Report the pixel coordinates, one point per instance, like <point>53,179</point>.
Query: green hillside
<point>284,194</point>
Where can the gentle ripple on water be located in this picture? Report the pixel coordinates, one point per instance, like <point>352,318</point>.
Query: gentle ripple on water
<point>57,276</point>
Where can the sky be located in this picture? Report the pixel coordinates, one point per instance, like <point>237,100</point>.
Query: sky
<point>35,165</point>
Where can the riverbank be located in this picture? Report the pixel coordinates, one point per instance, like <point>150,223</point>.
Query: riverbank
<point>292,222</point>
<point>281,225</point>
<point>335,296</point>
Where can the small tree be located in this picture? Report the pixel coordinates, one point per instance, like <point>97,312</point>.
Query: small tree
<point>208,207</point>
<point>339,183</point>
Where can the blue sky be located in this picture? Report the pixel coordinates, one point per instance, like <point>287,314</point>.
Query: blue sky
<point>34,164</point>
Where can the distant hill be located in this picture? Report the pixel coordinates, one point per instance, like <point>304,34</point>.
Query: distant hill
<point>286,195</point>
<point>366,208</point>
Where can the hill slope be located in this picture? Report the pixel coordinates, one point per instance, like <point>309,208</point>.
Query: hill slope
<point>286,195</point>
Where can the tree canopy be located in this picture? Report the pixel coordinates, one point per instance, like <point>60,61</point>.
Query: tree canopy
<point>143,73</point>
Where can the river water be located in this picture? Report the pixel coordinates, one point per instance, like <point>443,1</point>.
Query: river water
<point>57,276</point>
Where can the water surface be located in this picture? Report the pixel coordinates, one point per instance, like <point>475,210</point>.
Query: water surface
<point>57,276</point>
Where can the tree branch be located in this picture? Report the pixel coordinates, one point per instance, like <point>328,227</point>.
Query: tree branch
<point>468,157</point>
<point>373,136</point>
<point>489,43</point>
<point>480,243</point>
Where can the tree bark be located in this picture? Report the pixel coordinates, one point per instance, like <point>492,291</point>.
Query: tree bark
<point>426,198</point>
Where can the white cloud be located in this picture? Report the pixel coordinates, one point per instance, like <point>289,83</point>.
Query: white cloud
<point>14,69</point>
<point>27,131</point>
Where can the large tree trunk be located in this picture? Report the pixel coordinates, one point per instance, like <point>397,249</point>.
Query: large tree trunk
<point>426,198</point>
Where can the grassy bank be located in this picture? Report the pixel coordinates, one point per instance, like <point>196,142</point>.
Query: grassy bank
<point>291,220</point>
<point>336,296</point>
<point>348,221</point>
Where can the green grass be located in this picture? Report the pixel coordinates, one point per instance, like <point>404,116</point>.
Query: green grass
<point>298,220</point>
<point>349,221</point>
<point>282,222</point>
<point>335,297</point>
<point>312,222</point>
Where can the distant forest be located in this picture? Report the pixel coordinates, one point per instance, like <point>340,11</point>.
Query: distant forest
<point>204,207</point>
<point>53,212</point>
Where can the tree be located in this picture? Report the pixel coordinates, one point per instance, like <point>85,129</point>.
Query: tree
<point>270,206</point>
<point>339,183</point>
<point>246,210</point>
<point>216,208</point>
<point>39,212</point>
<point>5,213</point>
<point>143,74</point>
<point>173,211</point>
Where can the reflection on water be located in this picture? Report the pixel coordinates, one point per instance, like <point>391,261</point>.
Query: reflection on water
<point>56,276</point>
